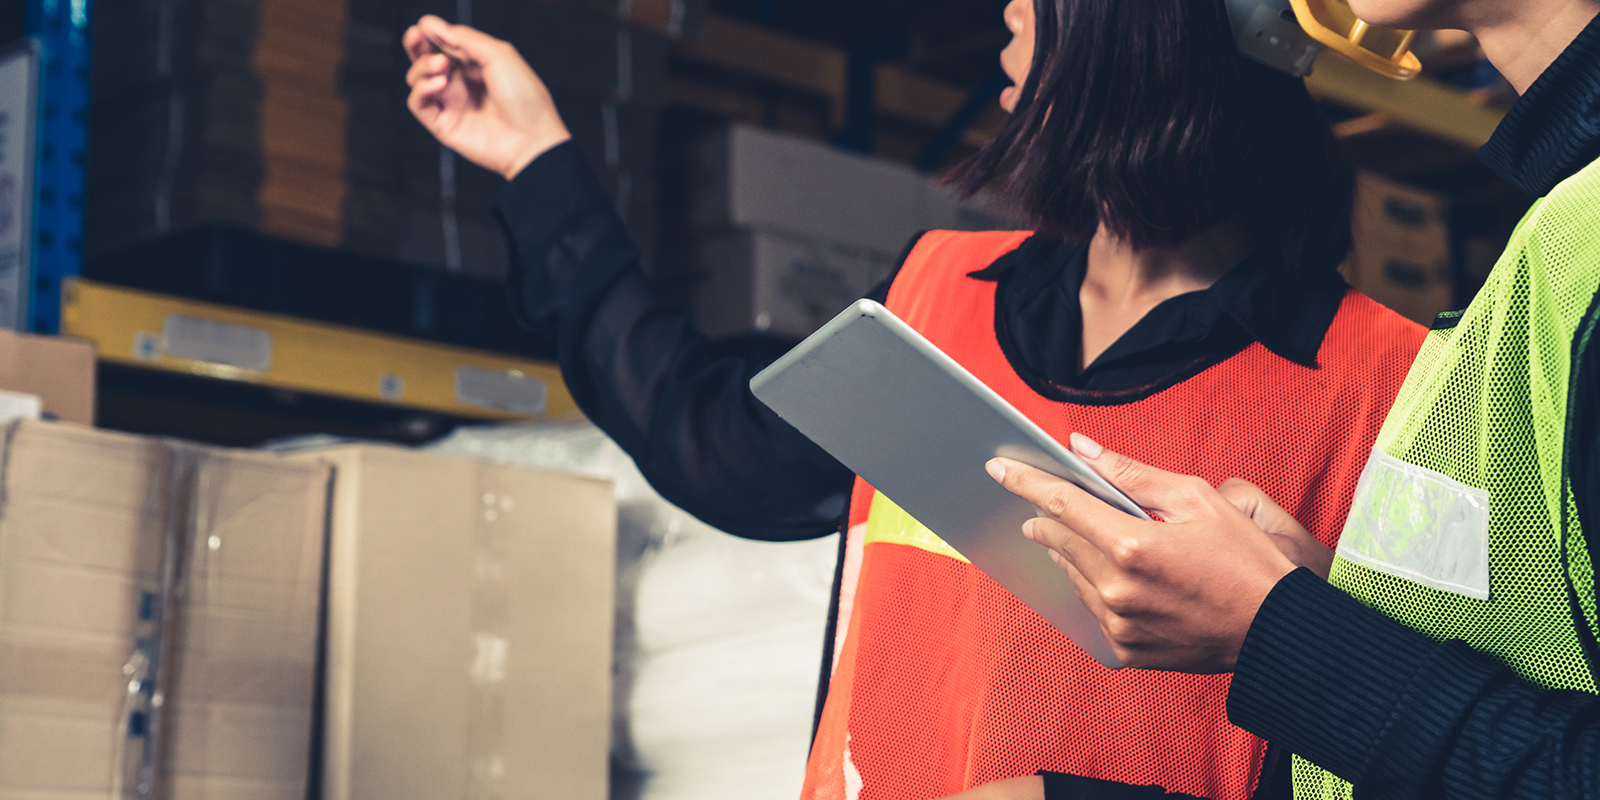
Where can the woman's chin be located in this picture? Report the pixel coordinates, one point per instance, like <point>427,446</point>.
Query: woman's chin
<point>1008,99</point>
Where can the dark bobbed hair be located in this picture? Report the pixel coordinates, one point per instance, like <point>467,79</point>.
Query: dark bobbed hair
<point>1142,115</point>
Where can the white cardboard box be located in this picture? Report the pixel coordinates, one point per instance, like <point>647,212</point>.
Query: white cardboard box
<point>780,284</point>
<point>789,232</point>
<point>755,178</point>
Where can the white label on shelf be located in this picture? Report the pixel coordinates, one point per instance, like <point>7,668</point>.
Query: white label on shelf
<point>215,342</point>
<point>507,391</point>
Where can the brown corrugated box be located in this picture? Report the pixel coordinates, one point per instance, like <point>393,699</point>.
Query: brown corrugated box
<point>1401,256</point>
<point>87,521</point>
<point>59,370</point>
<point>469,629</point>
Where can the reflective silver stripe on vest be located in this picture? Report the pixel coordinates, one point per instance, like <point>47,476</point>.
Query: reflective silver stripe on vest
<point>1419,525</point>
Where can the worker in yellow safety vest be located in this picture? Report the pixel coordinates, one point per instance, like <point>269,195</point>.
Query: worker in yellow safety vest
<point>1452,651</point>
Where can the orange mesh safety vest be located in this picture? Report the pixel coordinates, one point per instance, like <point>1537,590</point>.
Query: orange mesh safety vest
<point>943,681</point>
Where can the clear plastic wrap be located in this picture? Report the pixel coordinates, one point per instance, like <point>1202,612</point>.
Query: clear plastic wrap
<point>719,639</point>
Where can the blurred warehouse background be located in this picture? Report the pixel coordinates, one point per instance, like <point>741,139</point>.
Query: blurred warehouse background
<point>221,230</point>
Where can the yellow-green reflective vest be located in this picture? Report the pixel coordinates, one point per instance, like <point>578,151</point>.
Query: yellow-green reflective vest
<point>1463,524</point>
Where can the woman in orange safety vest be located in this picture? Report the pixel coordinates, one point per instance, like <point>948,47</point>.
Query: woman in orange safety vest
<point>1177,300</point>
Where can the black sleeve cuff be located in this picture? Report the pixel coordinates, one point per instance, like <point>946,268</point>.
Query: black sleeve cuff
<point>1350,689</point>
<point>543,199</point>
<point>567,243</point>
<point>1059,786</point>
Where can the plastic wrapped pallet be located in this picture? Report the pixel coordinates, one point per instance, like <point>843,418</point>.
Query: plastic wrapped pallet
<point>719,638</point>
<point>158,633</point>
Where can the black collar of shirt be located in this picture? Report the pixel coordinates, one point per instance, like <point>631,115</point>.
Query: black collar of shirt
<point>1554,130</point>
<point>1037,293</point>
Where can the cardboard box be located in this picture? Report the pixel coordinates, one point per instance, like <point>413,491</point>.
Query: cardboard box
<point>469,629</point>
<point>779,284</point>
<point>754,178</point>
<point>783,233</point>
<point>90,518</point>
<point>1402,251</point>
<point>59,370</point>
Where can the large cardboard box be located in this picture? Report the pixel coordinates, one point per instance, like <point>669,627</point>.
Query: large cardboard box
<point>779,284</point>
<point>131,567</point>
<point>59,370</point>
<point>751,178</point>
<point>1402,251</point>
<point>781,233</point>
<point>469,629</point>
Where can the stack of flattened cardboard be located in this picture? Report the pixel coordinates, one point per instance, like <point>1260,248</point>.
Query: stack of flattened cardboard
<point>783,233</point>
<point>160,616</point>
<point>289,117</point>
<point>298,51</point>
<point>410,199</point>
<point>176,123</point>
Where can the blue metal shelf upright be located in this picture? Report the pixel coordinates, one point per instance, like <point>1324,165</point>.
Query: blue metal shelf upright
<point>62,28</point>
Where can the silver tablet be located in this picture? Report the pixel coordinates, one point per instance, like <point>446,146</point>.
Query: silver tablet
<point>917,426</point>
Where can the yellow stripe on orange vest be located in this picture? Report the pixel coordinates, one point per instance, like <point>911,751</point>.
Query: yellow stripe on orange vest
<point>890,524</point>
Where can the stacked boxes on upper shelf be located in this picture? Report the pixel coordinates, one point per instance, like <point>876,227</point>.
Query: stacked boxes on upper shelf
<point>414,200</point>
<point>289,117</point>
<point>176,132</point>
<point>784,233</point>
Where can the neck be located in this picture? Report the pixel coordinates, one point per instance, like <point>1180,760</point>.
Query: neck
<point>1121,284</point>
<point>1119,274</point>
<point>1522,38</point>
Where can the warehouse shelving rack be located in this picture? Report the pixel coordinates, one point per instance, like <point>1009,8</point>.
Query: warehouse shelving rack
<point>62,29</point>
<point>154,332</point>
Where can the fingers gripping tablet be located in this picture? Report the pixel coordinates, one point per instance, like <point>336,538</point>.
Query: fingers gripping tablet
<point>917,426</point>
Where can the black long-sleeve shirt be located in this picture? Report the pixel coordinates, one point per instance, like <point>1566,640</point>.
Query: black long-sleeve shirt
<point>680,405</point>
<point>1394,712</point>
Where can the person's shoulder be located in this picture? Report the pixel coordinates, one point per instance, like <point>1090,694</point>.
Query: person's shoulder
<point>1368,334</point>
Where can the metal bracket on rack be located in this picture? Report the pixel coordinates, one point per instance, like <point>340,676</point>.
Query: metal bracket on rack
<point>62,29</point>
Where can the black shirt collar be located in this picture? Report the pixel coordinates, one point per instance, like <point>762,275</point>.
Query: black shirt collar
<point>1256,301</point>
<point>1554,130</point>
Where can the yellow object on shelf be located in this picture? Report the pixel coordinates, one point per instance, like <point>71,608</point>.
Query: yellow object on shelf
<point>143,329</point>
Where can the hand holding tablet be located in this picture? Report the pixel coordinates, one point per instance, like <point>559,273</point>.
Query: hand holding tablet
<point>919,428</point>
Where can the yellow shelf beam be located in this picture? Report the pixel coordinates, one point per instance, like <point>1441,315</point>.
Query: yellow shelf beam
<point>1422,104</point>
<point>153,331</point>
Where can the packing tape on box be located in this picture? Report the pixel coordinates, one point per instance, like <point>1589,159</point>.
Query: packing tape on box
<point>490,644</point>
<point>148,670</point>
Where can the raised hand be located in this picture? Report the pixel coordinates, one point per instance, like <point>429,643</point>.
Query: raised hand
<point>478,97</point>
<point>1174,595</point>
